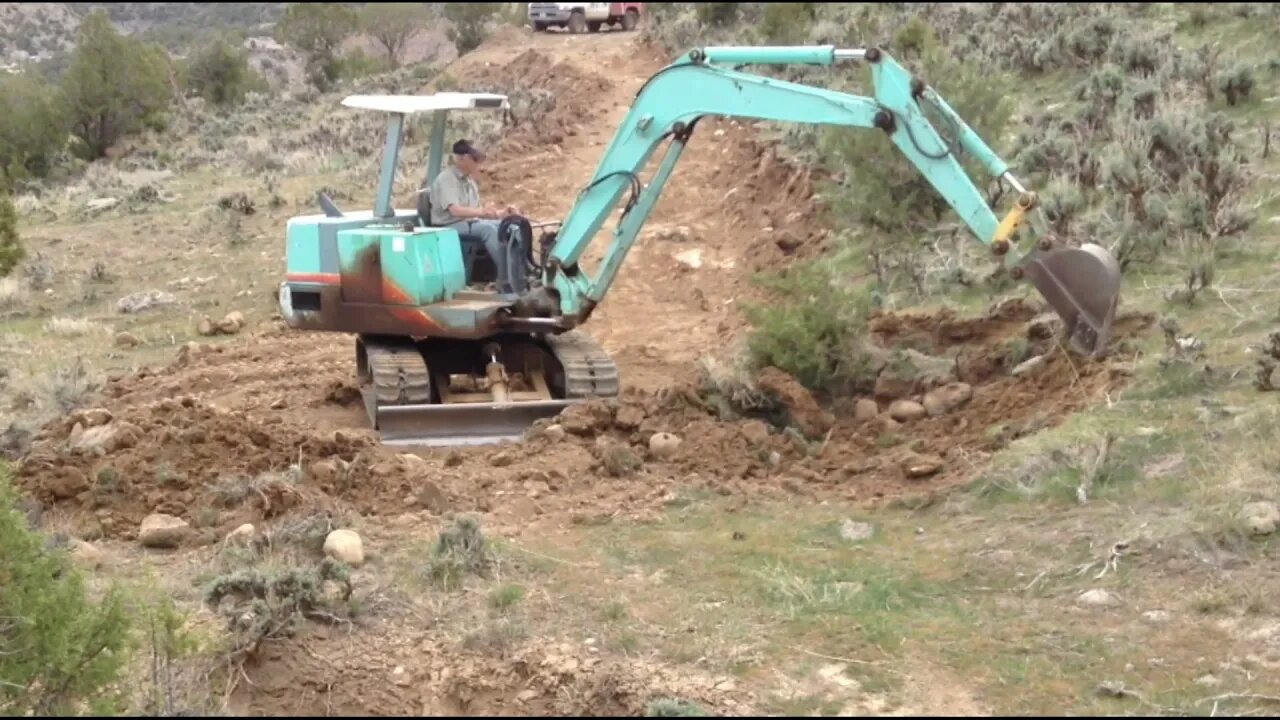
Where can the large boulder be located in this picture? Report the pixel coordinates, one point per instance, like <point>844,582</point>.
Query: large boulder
<point>159,530</point>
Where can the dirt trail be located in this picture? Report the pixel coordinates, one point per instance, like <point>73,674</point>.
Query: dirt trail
<point>269,426</point>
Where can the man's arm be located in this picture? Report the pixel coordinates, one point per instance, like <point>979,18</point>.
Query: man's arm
<point>471,213</point>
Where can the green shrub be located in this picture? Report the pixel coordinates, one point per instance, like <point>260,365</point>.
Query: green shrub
<point>220,73</point>
<point>59,650</point>
<point>469,23</point>
<point>11,250</point>
<point>812,327</point>
<point>116,86</point>
<point>317,30</point>
<point>392,24</point>
<point>787,23</point>
<point>32,129</point>
<point>460,550</point>
<point>358,65</point>
<point>717,13</point>
<point>1236,84</point>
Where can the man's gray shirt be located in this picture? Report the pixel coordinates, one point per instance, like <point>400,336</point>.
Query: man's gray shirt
<point>451,187</point>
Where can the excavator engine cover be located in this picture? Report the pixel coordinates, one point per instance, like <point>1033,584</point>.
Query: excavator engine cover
<point>1082,285</point>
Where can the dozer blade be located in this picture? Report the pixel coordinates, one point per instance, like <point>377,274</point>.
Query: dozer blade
<point>1082,285</point>
<point>437,425</point>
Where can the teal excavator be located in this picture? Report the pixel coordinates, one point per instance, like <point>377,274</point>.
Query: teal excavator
<point>442,361</point>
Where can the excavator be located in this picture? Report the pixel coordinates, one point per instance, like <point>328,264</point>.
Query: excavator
<point>441,360</point>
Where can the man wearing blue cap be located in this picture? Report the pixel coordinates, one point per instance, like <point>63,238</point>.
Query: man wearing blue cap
<point>455,203</point>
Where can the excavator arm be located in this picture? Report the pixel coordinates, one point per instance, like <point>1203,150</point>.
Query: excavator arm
<point>1081,284</point>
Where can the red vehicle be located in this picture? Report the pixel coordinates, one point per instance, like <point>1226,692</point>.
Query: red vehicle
<point>580,17</point>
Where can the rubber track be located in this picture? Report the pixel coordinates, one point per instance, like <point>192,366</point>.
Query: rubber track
<point>399,373</point>
<point>588,369</point>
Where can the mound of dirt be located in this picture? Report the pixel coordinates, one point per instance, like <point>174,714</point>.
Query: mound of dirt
<point>551,102</point>
<point>199,459</point>
<point>423,674</point>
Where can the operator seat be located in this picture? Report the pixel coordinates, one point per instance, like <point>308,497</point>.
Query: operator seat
<point>472,247</point>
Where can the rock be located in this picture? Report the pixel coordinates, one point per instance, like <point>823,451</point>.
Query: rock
<point>333,592</point>
<point>1261,518</point>
<point>100,204</point>
<point>242,535</point>
<point>690,258</point>
<point>92,418</point>
<point>501,459</point>
<point>908,372</point>
<point>70,483</point>
<point>127,340</point>
<point>921,466</point>
<point>663,445</point>
<point>1027,367</point>
<point>586,418</point>
<point>629,417</point>
<point>162,531</point>
<point>906,410</point>
<point>1156,617</point>
<point>802,410</point>
<point>947,398</point>
<point>1096,598</point>
<point>1044,326</point>
<point>431,497</point>
<point>323,471</point>
<point>412,461</point>
<point>856,531</point>
<point>139,301</point>
<point>87,554</point>
<point>865,410</point>
<point>886,424</point>
<point>554,433</point>
<point>756,432</point>
<point>787,241</point>
<point>345,546</point>
<point>205,327</point>
<point>106,439</point>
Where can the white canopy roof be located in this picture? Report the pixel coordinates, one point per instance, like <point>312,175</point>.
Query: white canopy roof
<point>409,104</point>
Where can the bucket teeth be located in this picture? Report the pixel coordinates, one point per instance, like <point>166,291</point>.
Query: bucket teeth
<point>1082,285</point>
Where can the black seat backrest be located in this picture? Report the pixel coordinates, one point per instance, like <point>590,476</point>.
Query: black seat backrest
<point>424,207</point>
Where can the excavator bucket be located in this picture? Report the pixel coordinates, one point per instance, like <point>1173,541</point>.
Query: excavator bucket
<point>1082,285</point>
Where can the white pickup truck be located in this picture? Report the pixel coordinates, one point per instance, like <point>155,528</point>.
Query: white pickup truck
<point>581,17</point>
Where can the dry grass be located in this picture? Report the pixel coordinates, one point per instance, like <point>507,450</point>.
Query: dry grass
<point>13,294</point>
<point>74,327</point>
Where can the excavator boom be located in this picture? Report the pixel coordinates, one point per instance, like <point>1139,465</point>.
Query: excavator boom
<point>1080,284</point>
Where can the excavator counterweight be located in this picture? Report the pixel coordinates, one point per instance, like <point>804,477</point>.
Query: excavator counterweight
<point>441,361</point>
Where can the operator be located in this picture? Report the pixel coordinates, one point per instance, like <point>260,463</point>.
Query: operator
<point>455,203</point>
